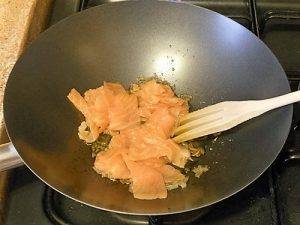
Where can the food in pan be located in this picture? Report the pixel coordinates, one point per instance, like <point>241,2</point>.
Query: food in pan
<point>139,124</point>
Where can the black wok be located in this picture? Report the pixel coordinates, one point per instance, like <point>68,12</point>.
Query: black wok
<point>214,59</point>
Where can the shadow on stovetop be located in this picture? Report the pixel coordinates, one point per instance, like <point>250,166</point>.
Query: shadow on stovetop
<point>26,205</point>
<point>21,177</point>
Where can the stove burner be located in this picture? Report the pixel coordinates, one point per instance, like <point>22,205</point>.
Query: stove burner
<point>272,199</point>
<point>49,209</point>
<point>180,219</point>
<point>55,216</point>
<point>257,200</point>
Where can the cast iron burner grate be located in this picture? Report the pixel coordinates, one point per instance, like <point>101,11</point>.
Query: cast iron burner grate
<point>274,199</point>
<point>254,205</point>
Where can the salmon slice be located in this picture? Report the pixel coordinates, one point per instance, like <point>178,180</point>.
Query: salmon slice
<point>111,90</point>
<point>177,106</point>
<point>141,124</point>
<point>155,129</point>
<point>180,155</point>
<point>179,111</point>
<point>153,162</point>
<point>153,96</point>
<point>144,112</point>
<point>123,112</point>
<point>119,141</point>
<point>147,183</point>
<point>78,101</point>
<point>173,178</point>
<point>89,130</point>
<point>107,107</point>
<point>151,91</point>
<point>144,143</point>
<point>123,108</point>
<point>110,164</point>
<point>164,120</point>
<point>98,107</point>
<point>115,88</point>
<point>93,105</point>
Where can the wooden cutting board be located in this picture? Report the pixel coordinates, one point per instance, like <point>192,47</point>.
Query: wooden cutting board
<point>20,23</point>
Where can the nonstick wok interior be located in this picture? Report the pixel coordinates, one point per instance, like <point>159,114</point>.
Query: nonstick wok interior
<point>214,59</point>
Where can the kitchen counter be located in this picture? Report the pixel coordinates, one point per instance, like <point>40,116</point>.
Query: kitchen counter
<point>20,23</point>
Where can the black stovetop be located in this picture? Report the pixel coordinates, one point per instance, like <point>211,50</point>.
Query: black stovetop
<point>274,199</point>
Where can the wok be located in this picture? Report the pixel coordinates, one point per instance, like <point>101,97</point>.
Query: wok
<point>202,53</point>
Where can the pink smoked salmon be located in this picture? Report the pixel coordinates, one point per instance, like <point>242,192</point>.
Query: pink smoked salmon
<point>141,151</point>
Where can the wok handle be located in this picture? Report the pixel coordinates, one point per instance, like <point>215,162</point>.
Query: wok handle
<point>9,157</point>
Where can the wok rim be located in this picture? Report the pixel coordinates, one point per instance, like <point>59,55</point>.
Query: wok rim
<point>242,187</point>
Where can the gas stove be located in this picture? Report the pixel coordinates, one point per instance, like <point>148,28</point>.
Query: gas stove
<point>274,199</point>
